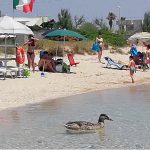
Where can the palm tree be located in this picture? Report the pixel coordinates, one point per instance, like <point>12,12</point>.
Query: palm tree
<point>122,23</point>
<point>64,19</point>
<point>111,17</point>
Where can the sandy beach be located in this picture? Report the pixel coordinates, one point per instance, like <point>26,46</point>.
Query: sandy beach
<point>88,76</point>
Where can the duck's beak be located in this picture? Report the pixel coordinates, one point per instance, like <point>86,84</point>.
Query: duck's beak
<point>110,119</point>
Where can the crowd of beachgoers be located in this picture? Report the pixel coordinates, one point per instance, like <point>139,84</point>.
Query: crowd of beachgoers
<point>87,76</point>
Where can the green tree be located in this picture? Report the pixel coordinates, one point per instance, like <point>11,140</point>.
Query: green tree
<point>35,28</point>
<point>78,21</point>
<point>146,22</point>
<point>48,25</point>
<point>89,30</point>
<point>111,17</point>
<point>122,23</point>
<point>99,23</point>
<point>64,19</point>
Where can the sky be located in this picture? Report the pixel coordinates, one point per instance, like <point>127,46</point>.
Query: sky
<point>90,9</point>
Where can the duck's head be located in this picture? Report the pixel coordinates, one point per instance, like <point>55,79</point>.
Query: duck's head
<point>103,117</point>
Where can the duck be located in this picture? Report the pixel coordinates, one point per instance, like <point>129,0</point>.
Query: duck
<point>84,125</point>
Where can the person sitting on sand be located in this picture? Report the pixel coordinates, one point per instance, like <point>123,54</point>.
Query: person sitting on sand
<point>52,61</point>
<point>44,64</point>
<point>132,68</point>
<point>148,55</point>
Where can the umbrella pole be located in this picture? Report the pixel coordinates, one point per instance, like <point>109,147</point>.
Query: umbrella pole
<point>5,51</point>
<point>64,46</point>
<point>56,51</point>
<point>5,46</point>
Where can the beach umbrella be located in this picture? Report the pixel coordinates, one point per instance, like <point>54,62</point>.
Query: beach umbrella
<point>141,37</point>
<point>66,34</point>
<point>63,35</point>
<point>8,26</point>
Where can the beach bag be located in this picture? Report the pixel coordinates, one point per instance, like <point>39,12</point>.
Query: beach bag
<point>26,72</point>
<point>66,68</point>
<point>95,47</point>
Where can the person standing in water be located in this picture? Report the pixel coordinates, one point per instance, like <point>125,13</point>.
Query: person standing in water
<point>99,39</point>
<point>30,52</point>
<point>132,67</point>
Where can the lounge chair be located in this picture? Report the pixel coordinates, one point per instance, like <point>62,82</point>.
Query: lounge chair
<point>71,60</point>
<point>111,62</point>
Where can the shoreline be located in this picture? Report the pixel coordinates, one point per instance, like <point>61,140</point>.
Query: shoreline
<point>88,76</point>
<point>78,93</point>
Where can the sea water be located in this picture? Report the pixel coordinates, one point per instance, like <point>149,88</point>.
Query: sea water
<point>41,125</point>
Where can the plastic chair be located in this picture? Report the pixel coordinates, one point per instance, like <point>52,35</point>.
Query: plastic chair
<point>71,60</point>
<point>3,71</point>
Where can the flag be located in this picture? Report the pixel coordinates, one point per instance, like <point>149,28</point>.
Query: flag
<point>23,5</point>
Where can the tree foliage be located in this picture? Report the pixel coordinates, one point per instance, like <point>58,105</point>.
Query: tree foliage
<point>64,19</point>
<point>78,21</point>
<point>35,28</point>
<point>49,24</point>
<point>99,23</point>
<point>89,30</point>
<point>111,17</point>
<point>146,22</point>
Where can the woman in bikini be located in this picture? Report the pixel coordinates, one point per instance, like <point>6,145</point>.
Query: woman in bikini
<point>99,39</point>
<point>30,52</point>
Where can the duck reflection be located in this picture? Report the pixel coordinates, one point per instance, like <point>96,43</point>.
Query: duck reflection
<point>101,134</point>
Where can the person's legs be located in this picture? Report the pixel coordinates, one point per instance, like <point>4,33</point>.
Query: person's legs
<point>53,65</point>
<point>29,60</point>
<point>99,55</point>
<point>131,75</point>
<point>32,59</point>
<point>50,67</point>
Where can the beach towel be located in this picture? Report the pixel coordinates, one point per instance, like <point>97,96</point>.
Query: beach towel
<point>133,51</point>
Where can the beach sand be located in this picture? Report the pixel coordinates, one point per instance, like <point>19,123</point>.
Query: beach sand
<point>88,76</point>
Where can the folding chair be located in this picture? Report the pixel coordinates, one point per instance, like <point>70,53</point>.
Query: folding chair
<point>71,60</point>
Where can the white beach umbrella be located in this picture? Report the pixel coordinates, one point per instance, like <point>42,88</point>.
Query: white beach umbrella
<point>142,36</point>
<point>9,26</point>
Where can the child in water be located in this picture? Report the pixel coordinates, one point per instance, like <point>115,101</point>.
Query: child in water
<point>132,67</point>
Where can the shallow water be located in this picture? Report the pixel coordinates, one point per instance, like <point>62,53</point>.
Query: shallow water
<point>41,125</point>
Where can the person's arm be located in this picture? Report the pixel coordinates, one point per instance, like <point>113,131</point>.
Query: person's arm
<point>146,54</point>
<point>27,42</point>
<point>35,39</point>
<point>129,64</point>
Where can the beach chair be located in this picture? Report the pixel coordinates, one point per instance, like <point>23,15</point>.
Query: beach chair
<point>71,60</point>
<point>111,62</point>
<point>3,71</point>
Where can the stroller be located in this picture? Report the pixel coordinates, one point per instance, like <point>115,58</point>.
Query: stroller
<point>111,62</point>
<point>140,61</point>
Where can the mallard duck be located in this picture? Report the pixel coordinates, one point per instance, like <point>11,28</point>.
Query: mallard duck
<point>83,125</point>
